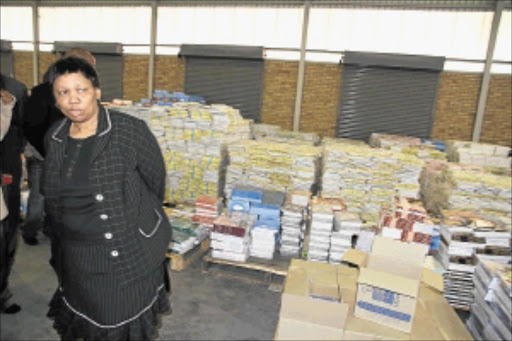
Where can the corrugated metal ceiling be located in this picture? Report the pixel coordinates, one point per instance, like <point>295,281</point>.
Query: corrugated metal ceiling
<point>470,5</point>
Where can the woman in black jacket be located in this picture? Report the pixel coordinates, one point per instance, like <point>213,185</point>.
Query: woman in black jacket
<point>104,181</point>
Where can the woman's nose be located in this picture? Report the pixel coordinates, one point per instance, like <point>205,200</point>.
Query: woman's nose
<point>74,98</point>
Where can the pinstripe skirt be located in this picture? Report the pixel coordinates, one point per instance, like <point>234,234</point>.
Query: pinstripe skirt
<point>97,308</point>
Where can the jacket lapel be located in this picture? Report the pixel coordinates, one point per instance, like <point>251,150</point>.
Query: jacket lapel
<point>102,132</point>
<point>60,135</point>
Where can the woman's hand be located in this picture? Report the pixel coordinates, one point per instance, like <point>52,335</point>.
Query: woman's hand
<point>6,96</point>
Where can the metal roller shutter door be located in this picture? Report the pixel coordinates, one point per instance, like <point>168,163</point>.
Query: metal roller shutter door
<point>234,79</point>
<point>386,93</point>
<point>6,58</point>
<point>110,71</point>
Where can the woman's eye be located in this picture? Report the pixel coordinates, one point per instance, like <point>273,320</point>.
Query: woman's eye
<point>62,93</point>
<point>82,90</point>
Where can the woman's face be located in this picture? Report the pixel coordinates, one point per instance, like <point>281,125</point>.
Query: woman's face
<point>76,97</point>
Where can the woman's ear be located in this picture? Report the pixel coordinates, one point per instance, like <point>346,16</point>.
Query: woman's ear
<point>97,91</point>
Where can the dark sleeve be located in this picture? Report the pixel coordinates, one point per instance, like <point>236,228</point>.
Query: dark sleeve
<point>150,161</point>
<point>36,117</point>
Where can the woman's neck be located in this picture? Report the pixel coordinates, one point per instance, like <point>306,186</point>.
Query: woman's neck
<point>85,129</point>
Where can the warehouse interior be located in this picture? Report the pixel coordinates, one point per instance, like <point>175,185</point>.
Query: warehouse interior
<point>329,130</point>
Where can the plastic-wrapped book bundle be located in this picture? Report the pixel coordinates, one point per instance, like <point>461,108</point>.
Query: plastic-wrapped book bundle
<point>261,130</point>
<point>482,154</point>
<point>483,192</point>
<point>207,209</point>
<point>191,137</point>
<point>407,220</point>
<point>491,312</point>
<point>271,165</point>
<point>347,227</point>
<point>466,236</point>
<point>293,226</point>
<point>186,234</point>
<point>265,207</point>
<point>407,145</point>
<point>320,233</point>
<point>294,221</point>
<point>265,231</point>
<point>366,178</point>
<point>230,236</point>
<point>286,136</point>
<point>322,223</point>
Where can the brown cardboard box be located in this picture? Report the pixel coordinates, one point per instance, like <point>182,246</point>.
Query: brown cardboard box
<point>311,303</point>
<point>388,286</point>
<point>434,319</point>
<point>306,318</point>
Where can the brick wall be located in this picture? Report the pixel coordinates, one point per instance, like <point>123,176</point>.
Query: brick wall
<point>135,77</point>
<point>46,59</point>
<point>170,73</point>
<point>453,118</point>
<point>279,88</point>
<point>24,68</point>
<point>457,100</point>
<point>322,86</point>
<point>497,124</point>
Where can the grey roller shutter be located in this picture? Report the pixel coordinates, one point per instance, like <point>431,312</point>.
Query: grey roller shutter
<point>231,75</point>
<point>109,65</point>
<point>6,58</point>
<point>388,93</point>
<point>110,71</point>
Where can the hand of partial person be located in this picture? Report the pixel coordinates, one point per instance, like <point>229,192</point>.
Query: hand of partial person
<point>7,98</point>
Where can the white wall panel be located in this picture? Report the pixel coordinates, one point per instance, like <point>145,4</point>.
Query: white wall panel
<point>125,25</point>
<point>269,27</point>
<point>16,23</point>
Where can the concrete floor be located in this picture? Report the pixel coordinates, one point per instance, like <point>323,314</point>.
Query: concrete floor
<point>221,304</point>
<point>224,303</point>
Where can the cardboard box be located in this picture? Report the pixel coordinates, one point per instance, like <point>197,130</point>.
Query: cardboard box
<point>330,316</point>
<point>389,283</point>
<point>312,306</point>
<point>434,319</point>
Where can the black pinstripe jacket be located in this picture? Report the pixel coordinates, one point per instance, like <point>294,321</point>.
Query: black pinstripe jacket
<point>127,176</point>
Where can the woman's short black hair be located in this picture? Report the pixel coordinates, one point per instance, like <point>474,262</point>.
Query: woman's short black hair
<point>73,65</point>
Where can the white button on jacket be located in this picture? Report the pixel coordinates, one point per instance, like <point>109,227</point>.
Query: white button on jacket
<point>99,197</point>
<point>114,253</point>
<point>108,235</point>
<point>103,217</point>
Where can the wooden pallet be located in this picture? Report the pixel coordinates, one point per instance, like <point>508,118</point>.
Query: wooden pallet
<point>276,266</point>
<point>181,262</point>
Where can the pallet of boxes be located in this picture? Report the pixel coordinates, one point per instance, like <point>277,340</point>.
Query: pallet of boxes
<point>386,294</point>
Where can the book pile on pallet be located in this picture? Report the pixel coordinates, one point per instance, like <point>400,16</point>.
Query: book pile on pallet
<point>286,136</point>
<point>482,154</point>
<point>410,145</point>
<point>448,186</point>
<point>491,311</point>
<point>346,229</point>
<point>464,235</point>
<point>185,233</point>
<point>407,220</point>
<point>321,227</point>
<point>271,165</point>
<point>230,236</point>
<point>191,137</point>
<point>207,209</point>
<point>261,130</point>
<point>483,192</point>
<point>366,178</point>
<point>265,207</point>
<point>293,223</point>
